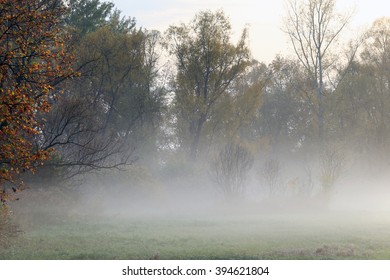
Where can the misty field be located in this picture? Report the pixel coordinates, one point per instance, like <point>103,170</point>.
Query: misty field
<point>123,142</point>
<point>317,236</point>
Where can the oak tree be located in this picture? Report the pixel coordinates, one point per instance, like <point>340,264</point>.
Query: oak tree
<point>33,60</point>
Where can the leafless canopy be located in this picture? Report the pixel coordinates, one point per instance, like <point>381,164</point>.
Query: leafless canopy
<point>314,27</point>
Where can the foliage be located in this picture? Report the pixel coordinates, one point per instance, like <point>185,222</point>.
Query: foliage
<point>207,63</point>
<point>287,112</point>
<point>33,60</point>
<point>104,117</point>
<point>359,109</point>
<point>234,114</point>
<point>87,16</point>
<point>119,111</point>
<point>376,68</point>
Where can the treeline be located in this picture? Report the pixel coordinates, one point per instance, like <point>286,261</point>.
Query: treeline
<point>83,88</point>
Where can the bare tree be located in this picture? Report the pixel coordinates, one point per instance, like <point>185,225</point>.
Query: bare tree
<point>230,169</point>
<point>314,27</point>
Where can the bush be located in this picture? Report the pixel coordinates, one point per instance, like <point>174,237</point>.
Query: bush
<point>230,168</point>
<point>271,176</point>
<point>331,167</point>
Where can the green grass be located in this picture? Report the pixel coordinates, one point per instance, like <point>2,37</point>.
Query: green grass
<point>261,237</point>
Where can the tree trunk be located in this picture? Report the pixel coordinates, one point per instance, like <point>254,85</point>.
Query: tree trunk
<point>194,150</point>
<point>320,95</point>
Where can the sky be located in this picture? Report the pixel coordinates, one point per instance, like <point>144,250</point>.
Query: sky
<point>264,18</point>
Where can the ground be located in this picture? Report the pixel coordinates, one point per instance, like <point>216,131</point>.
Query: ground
<point>255,236</point>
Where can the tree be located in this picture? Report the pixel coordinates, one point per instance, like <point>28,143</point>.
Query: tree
<point>314,27</point>
<point>362,99</point>
<point>87,16</point>
<point>236,111</point>
<point>207,64</point>
<point>287,114</point>
<point>33,60</point>
<point>113,110</point>
<point>376,59</point>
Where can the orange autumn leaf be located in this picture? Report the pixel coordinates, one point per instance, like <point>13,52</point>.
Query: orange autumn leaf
<point>33,60</point>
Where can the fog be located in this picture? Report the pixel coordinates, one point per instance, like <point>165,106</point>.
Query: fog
<point>196,195</point>
<point>183,132</point>
<point>179,215</point>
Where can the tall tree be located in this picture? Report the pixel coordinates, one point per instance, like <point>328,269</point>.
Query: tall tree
<point>362,100</point>
<point>207,64</point>
<point>86,16</point>
<point>376,60</point>
<point>287,114</point>
<point>33,60</point>
<point>104,115</point>
<point>314,27</point>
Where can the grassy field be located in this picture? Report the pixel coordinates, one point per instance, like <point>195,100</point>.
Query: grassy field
<point>212,237</point>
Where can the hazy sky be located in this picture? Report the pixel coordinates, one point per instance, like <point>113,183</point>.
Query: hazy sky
<point>264,18</point>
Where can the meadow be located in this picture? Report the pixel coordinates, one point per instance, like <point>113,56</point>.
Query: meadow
<point>256,236</point>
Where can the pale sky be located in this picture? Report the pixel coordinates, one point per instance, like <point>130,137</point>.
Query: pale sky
<point>264,18</point>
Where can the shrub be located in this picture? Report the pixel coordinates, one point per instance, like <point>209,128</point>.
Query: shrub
<point>270,176</point>
<point>230,168</point>
<point>331,165</point>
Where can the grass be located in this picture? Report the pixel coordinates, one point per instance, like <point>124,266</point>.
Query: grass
<point>218,237</point>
